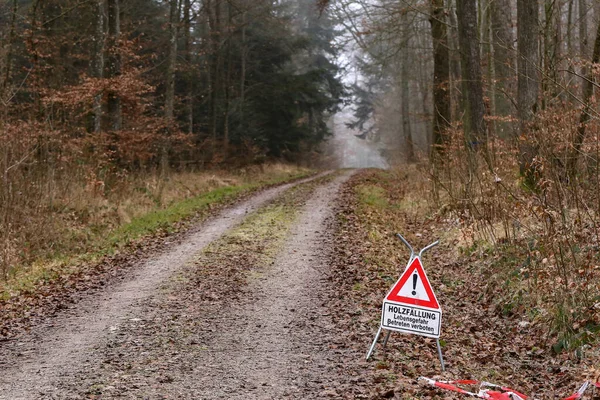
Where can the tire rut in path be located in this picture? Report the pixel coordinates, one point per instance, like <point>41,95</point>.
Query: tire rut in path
<point>275,343</point>
<point>34,364</point>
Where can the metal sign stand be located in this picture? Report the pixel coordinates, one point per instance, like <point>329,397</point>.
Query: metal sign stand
<point>387,336</point>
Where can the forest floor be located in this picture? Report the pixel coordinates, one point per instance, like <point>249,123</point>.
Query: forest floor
<point>276,297</point>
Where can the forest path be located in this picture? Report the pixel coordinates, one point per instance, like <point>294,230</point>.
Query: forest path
<point>149,338</point>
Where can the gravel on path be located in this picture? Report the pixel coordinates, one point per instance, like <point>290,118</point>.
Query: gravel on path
<point>274,342</point>
<point>35,364</point>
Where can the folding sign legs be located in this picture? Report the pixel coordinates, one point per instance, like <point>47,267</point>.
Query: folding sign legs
<point>440,354</point>
<point>374,343</point>
<point>385,340</point>
<point>387,336</point>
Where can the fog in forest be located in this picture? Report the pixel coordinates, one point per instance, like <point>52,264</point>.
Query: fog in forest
<point>351,151</point>
<point>387,69</point>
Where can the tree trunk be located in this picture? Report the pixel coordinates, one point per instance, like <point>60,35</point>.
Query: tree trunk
<point>98,62</point>
<point>570,46</point>
<point>570,30</point>
<point>205,61</point>
<point>551,51</point>
<point>8,61</point>
<point>504,64</point>
<point>214,20</point>
<point>113,63</point>
<point>227,81</point>
<point>441,75</point>
<point>243,56</point>
<point>559,60</point>
<point>485,21</point>
<point>409,152</point>
<point>454,60</point>
<point>583,41</point>
<point>187,30</point>
<point>528,81</point>
<point>170,84</point>
<point>588,91</point>
<point>171,62</point>
<point>474,124</point>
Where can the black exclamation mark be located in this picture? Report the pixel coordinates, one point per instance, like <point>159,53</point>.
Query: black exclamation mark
<point>415,277</point>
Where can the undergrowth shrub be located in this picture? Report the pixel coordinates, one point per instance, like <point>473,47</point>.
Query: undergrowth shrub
<point>550,231</point>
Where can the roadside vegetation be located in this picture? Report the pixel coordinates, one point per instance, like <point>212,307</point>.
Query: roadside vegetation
<point>86,224</point>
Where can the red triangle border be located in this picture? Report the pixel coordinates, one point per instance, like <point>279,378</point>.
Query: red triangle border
<point>394,293</point>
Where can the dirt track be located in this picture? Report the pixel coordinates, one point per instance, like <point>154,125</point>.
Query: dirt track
<point>271,340</point>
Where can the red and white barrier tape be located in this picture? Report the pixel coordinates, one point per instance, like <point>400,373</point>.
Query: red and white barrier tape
<point>501,392</point>
<point>580,392</point>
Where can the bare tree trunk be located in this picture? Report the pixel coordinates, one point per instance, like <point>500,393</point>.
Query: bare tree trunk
<point>552,42</point>
<point>243,56</point>
<point>214,20</point>
<point>485,21</point>
<point>475,127</point>
<point>32,42</point>
<point>113,62</point>
<point>559,47</point>
<point>570,28</point>
<point>98,62</point>
<point>6,197</point>
<point>205,60</point>
<point>441,75</point>
<point>8,60</point>
<point>170,83</point>
<point>409,152</point>
<point>227,81</point>
<point>504,63</point>
<point>454,60</point>
<point>424,89</point>
<point>570,47</point>
<point>528,81</point>
<point>588,91</point>
<point>171,61</point>
<point>187,20</point>
<point>583,40</point>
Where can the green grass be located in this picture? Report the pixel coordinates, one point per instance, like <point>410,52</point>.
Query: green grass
<point>261,234</point>
<point>165,219</point>
<point>372,195</point>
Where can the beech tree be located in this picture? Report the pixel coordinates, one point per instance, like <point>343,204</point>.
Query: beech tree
<point>475,126</point>
<point>441,75</point>
<point>587,111</point>
<point>503,56</point>
<point>528,81</point>
<point>113,63</point>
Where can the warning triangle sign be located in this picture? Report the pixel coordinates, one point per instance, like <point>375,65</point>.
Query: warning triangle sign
<point>413,288</point>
